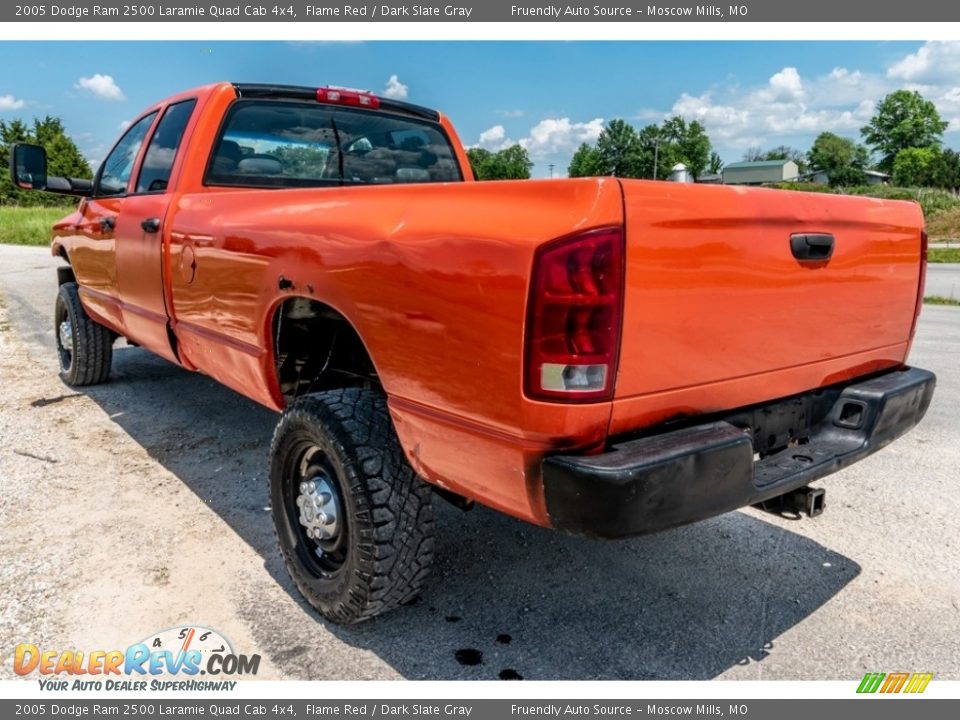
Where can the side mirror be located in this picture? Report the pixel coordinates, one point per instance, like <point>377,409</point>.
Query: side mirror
<point>28,166</point>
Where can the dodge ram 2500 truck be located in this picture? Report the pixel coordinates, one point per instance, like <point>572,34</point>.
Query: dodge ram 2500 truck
<point>604,356</point>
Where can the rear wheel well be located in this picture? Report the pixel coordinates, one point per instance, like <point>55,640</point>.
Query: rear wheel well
<point>315,348</point>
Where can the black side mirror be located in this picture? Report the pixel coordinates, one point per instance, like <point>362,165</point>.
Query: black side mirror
<point>28,166</point>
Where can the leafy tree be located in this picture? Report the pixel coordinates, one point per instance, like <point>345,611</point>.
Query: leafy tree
<point>619,151</point>
<point>585,162</point>
<point>715,165</point>
<point>624,151</point>
<point>691,146</point>
<point>904,119</point>
<point>478,157</point>
<point>63,158</point>
<point>912,166</point>
<point>511,163</point>
<point>944,171</point>
<point>843,161</point>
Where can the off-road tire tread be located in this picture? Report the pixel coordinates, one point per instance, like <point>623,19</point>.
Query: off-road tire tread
<point>393,526</point>
<point>92,343</point>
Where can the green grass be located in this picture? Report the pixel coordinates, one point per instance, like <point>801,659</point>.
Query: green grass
<point>940,300</point>
<point>28,225</point>
<point>943,255</point>
<point>933,202</point>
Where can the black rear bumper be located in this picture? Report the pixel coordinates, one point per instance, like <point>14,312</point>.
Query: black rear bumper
<point>681,476</point>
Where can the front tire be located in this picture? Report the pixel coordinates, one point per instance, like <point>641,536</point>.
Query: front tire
<point>353,520</point>
<point>84,346</point>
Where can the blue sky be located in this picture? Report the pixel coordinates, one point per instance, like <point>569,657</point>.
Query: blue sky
<point>550,96</point>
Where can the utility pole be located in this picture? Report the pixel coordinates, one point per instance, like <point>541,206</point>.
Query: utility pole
<point>656,153</point>
<point>551,169</point>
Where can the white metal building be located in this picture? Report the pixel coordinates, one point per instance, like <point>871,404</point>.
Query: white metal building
<point>759,172</point>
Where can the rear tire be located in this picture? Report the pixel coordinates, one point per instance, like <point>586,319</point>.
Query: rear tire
<point>84,346</point>
<point>354,522</point>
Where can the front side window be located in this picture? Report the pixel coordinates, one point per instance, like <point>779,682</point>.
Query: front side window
<point>117,168</point>
<point>162,150</point>
<point>285,144</point>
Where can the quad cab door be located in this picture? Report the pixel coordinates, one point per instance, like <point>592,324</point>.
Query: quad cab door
<point>118,252</point>
<point>140,233</point>
<point>94,253</point>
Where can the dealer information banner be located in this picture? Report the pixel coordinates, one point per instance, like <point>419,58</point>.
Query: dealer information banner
<point>313,11</point>
<point>480,709</point>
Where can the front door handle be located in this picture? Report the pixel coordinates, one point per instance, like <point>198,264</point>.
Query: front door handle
<point>107,223</point>
<point>811,247</point>
<point>151,225</point>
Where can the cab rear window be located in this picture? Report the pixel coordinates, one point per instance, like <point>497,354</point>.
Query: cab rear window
<point>287,144</point>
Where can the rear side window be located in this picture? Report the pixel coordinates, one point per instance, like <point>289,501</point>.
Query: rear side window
<point>117,168</point>
<point>162,150</point>
<point>286,144</point>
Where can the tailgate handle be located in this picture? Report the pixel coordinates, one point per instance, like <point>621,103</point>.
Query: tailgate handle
<point>811,246</point>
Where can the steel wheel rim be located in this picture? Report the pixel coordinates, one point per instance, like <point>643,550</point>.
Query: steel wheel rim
<point>309,477</point>
<point>63,329</point>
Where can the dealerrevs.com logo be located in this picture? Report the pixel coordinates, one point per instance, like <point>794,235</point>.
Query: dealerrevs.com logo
<point>172,659</point>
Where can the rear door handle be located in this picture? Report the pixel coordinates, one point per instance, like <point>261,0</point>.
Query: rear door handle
<point>811,246</point>
<point>151,225</point>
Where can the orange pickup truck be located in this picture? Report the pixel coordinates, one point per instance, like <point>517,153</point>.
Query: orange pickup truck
<point>603,356</point>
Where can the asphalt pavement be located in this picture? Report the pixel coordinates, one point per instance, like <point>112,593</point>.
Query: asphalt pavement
<point>172,466</point>
<point>943,279</point>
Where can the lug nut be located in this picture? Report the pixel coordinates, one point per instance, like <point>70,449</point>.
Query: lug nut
<point>303,488</point>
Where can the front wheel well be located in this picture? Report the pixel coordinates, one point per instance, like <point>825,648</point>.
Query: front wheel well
<point>315,348</point>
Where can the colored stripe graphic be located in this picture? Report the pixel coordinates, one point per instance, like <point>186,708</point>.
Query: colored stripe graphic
<point>918,683</point>
<point>894,682</point>
<point>870,682</point>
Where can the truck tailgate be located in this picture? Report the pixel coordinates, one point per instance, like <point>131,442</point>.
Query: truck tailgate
<point>715,293</point>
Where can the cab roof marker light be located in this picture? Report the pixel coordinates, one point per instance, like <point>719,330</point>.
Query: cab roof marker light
<point>342,96</point>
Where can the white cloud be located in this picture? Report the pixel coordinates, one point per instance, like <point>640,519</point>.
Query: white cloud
<point>785,86</point>
<point>9,102</point>
<point>934,63</point>
<point>552,136</point>
<point>510,113</point>
<point>549,139</point>
<point>395,89</point>
<point>844,76</point>
<point>103,86</point>
<point>124,124</point>
<point>786,106</point>
<point>493,138</point>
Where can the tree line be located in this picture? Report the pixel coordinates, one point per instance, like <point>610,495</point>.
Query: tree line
<point>904,139</point>
<point>63,158</point>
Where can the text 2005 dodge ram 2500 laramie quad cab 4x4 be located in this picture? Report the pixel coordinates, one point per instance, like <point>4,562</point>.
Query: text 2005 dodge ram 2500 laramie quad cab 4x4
<point>608,357</point>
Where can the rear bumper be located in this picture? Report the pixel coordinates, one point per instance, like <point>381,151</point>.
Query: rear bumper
<point>681,476</point>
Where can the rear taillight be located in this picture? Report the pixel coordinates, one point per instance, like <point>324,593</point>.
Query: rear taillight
<point>924,247</point>
<point>573,326</point>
